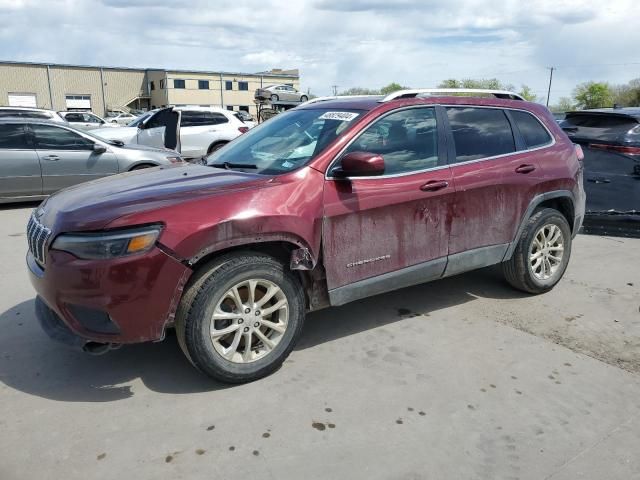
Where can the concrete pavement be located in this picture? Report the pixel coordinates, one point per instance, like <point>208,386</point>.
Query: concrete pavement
<point>462,378</point>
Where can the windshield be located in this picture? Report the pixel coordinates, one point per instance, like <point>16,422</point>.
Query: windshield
<point>140,120</point>
<point>285,142</point>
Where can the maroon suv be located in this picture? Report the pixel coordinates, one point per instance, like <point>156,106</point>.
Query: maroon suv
<point>336,200</point>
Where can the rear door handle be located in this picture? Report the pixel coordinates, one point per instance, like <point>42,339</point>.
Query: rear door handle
<point>52,158</point>
<point>525,169</point>
<point>434,185</point>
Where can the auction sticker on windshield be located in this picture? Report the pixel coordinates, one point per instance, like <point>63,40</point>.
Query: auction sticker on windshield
<point>343,116</point>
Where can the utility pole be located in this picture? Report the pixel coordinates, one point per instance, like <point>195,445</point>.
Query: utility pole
<point>551,69</point>
<point>335,90</point>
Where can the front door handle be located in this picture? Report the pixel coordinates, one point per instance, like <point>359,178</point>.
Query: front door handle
<point>434,185</point>
<point>525,168</point>
<point>52,158</point>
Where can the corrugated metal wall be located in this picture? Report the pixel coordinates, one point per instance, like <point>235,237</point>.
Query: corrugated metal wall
<point>24,79</point>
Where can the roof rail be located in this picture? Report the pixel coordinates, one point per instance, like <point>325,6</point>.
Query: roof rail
<point>335,97</point>
<point>414,92</point>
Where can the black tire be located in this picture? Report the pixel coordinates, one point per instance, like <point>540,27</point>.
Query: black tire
<point>201,297</point>
<point>518,270</point>
<point>274,98</point>
<point>215,146</point>
<point>304,98</point>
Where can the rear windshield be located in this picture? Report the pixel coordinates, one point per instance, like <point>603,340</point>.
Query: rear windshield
<point>602,120</point>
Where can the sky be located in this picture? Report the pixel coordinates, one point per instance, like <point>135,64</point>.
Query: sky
<point>348,43</point>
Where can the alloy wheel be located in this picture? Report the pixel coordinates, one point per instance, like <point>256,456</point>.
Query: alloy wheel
<point>546,251</point>
<point>249,320</point>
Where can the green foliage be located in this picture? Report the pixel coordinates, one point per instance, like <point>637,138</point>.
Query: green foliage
<point>392,87</point>
<point>627,95</point>
<point>485,83</point>
<point>593,95</point>
<point>526,93</point>
<point>565,104</point>
<point>360,91</point>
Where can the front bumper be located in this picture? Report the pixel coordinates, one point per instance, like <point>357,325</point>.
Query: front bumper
<point>124,300</point>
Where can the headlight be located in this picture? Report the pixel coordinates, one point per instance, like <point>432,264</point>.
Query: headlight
<point>98,246</point>
<point>175,159</point>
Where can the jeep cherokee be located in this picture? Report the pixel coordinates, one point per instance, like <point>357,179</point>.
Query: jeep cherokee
<point>333,201</point>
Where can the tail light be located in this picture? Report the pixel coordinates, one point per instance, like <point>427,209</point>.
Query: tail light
<point>579,151</point>
<point>616,148</point>
<point>243,129</point>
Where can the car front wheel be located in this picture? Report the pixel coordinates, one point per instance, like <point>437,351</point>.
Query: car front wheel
<point>542,253</point>
<point>241,317</point>
<point>274,98</point>
<point>304,98</point>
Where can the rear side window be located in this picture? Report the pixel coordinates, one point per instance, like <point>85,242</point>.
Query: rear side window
<point>12,136</point>
<point>533,133</point>
<point>480,132</point>
<point>196,119</point>
<point>55,138</point>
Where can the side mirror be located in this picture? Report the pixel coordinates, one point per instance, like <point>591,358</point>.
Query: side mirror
<point>97,148</point>
<point>360,164</point>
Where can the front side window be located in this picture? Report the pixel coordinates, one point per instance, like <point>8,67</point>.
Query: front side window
<point>480,132</point>
<point>49,137</point>
<point>533,134</point>
<point>12,136</point>
<point>286,142</point>
<point>178,83</point>
<point>91,118</point>
<point>74,117</point>
<point>407,140</point>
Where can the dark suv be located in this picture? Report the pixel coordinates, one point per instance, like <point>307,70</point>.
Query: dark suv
<point>328,203</point>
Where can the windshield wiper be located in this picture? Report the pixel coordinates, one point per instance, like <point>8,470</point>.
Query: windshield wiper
<point>230,165</point>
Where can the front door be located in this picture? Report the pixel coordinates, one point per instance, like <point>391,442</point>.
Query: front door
<point>390,231</point>
<point>68,158</point>
<point>161,130</point>
<point>19,165</point>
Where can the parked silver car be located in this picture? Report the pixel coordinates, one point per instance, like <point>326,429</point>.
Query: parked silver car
<point>280,93</point>
<point>31,112</point>
<point>85,120</point>
<point>37,158</point>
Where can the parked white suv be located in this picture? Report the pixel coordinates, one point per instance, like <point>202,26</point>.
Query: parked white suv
<point>192,131</point>
<point>31,112</point>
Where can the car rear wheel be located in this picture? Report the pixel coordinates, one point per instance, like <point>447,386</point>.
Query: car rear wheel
<point>241,317</point>
<point>304,98</point>
<point>542,253</point>
<point>274,98</point>
<point>215,146</point>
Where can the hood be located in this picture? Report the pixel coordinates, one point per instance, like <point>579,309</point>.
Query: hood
<point>93,205</point>
<point>145,148</point>
<point>126,134</point>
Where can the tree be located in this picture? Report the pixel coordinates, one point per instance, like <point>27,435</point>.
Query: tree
<point>359,91</point>
<point>392,87</point>
<point>565,104</point>
<point>526,93</point>
<point>593,95</point>
<point>483,83</point>
<point>627,95</point>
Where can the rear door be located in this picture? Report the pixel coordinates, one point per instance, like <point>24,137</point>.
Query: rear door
<point>377,225</point>
<point>68,158</point>
<point>199,129</point>
<point>161,130</point>
<point>611,146</point>
<point>495,176</point>
<point>19,164</point>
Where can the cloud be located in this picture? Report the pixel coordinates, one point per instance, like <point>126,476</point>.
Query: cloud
<point>349,43</point>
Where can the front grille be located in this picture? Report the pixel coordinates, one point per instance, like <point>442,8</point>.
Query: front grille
<point>37,236</point>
